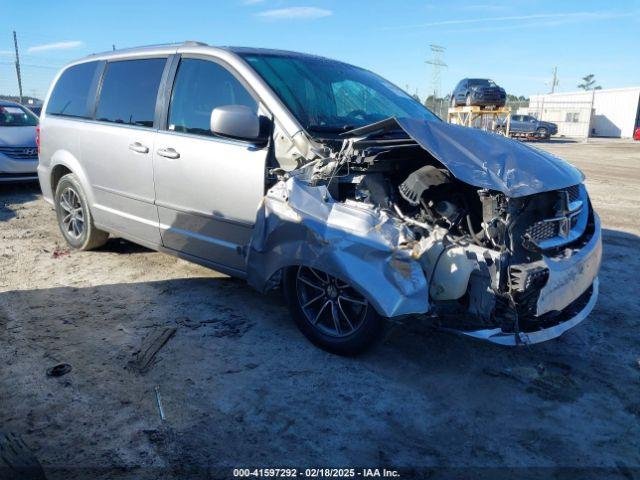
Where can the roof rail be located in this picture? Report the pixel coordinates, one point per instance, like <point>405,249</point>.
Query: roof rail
<point>194,43</point>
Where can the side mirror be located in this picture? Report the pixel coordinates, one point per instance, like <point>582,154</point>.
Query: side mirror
<point>239,122</point>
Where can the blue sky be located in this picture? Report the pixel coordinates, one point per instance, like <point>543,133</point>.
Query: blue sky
<point>516,43</point>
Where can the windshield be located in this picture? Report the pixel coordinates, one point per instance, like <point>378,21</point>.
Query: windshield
<point>333,97</point>
<point>15,116</point>
<point>482,82</point>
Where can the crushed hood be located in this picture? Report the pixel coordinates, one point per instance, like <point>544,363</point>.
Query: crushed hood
<point>484,159</point>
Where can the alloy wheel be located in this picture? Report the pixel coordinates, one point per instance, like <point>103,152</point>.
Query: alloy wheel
<point>72,218</point>
<point>331,305</point>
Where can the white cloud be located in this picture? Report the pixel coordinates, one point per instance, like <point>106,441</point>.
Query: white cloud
<point>252,2</point>
<point>295,13</point>
<point>6,53</point>
<point>55,46</point>
<point>561,17</point>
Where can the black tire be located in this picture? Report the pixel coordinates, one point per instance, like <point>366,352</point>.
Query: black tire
<point>453,102</point>
<point>367,327</point>
<point>74,217</point>
<point>542,132</point>
<point>468,102</point>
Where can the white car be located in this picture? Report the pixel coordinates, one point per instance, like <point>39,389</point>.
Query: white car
<point>18,149</point>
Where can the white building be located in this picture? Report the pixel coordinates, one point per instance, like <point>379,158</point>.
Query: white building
<point>614,112</point>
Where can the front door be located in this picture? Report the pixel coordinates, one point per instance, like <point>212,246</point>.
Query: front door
<point>117,149</point>
<point>208,188</point>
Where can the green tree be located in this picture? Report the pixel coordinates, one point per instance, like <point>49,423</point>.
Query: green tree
<point>589,83</point>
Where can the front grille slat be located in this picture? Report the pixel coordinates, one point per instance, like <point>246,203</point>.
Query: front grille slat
<point>20,153</point>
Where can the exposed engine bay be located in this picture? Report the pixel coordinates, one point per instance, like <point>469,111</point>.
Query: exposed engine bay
<point>498,263</point>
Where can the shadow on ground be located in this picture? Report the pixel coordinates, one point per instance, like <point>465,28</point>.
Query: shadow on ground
<point>240,386</point>
<point>12,195</point>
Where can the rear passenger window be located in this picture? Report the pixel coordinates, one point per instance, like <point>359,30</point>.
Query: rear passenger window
<point>199,87</point>
<point>129,91</point>
<point>69,96</point>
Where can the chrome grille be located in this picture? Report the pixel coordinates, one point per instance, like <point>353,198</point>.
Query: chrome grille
<point>568,223</point>
<point>20,153</point>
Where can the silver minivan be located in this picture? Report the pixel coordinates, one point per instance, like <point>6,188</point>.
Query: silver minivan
<point>298,172</point>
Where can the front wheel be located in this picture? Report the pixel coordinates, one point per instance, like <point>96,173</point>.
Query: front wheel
<point>468,101</point>
<point>330,312</point>
<point>543,132</point>
<point>74,217</point>
<point>453,102</point>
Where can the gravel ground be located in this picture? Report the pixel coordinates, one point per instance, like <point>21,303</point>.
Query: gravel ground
<point>241,387</point>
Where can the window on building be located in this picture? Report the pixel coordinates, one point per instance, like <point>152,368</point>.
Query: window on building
<point>69,96</point>
<point>572,117</point>
<point>129,91</point>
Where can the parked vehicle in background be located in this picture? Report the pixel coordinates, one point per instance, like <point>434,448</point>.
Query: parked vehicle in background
<point>18,149</point>
<point>478,91</point>
<point>36,109</point>
<point>299,172</point>
<point>529,126</point>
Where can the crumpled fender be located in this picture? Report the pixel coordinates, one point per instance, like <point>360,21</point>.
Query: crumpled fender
<point>300,224</point>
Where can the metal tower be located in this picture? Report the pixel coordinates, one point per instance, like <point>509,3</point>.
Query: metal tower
<point>436,66</point>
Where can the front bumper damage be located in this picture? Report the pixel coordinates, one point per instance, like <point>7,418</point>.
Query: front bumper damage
<point>299,224</point>
<point>565,301</point>
<point>535,289</point>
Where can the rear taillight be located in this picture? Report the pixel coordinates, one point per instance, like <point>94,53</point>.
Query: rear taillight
<point>38,138</point>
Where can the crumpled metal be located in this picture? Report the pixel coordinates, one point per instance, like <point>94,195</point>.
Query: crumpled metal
<point>485,159</point>
<point>300,224</point>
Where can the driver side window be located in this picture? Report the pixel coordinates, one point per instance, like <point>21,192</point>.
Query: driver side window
<point>199,87</point>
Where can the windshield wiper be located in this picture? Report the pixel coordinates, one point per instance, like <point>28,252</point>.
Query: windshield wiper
<point>330,128</point>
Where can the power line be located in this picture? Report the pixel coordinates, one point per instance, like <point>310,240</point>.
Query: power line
<point>51,67</point>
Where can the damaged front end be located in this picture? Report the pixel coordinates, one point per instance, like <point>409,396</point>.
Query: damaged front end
<point>489,237</point>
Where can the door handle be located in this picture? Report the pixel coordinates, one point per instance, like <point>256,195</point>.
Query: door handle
<point>168,153</point>
<point>138,147</point>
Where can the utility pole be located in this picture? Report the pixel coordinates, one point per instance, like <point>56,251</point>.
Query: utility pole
<point>437,65</point>
<point>15,44</point>
<point>554,80</point>
<point>113,47</point>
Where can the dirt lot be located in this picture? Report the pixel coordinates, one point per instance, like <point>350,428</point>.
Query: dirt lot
<point>241,387</point>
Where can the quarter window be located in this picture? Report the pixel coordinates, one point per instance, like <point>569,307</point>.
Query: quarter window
<point>70,95</point>
<point>199,87</point>
<point>129,92</point>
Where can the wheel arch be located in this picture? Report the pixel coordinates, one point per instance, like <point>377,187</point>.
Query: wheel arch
<point>63,163</point>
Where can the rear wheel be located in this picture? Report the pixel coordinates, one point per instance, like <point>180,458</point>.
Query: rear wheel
<point>74,217</point>
<point>330,312</point>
